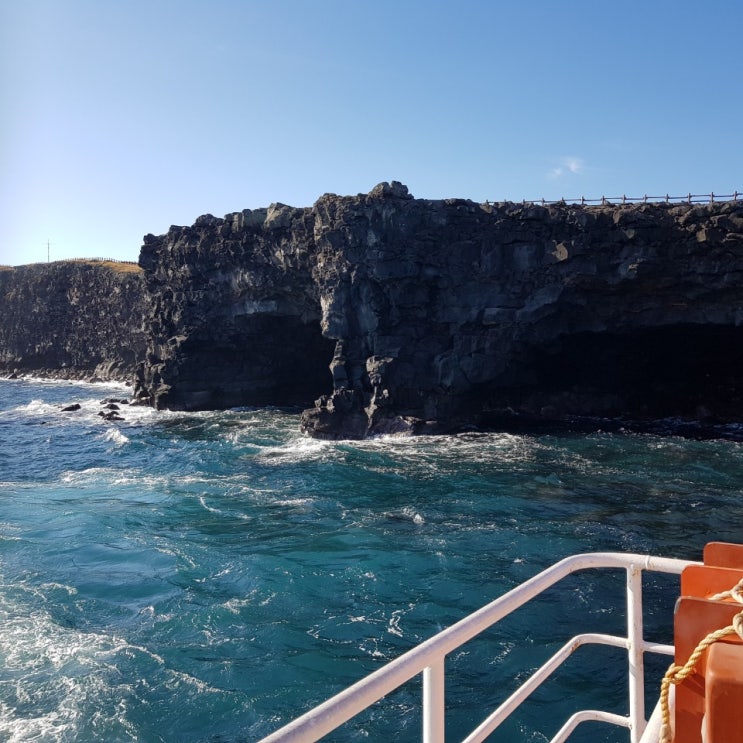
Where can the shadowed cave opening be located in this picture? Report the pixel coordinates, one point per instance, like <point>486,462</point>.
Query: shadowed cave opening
<point>688,371</point>
<point>272,360</point>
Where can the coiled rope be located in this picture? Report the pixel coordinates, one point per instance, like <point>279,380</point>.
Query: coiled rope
<point>676,674</point>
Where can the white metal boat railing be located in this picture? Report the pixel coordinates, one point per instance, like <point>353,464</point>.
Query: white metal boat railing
<point>428,659</point>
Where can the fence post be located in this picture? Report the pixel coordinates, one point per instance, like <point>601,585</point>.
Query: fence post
<point>635,652</point>
<point>712,197</point>
<point>433,703</point>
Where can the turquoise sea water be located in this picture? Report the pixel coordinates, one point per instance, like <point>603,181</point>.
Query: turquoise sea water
<point>207,577</point>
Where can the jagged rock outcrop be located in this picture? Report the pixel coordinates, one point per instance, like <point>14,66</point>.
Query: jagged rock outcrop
<point>72,320</point>
<point>233,314</point>
<point>418,316</point>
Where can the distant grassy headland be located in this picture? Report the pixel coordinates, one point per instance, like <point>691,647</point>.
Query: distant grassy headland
<point>72,319</point>
<point>111,263</point>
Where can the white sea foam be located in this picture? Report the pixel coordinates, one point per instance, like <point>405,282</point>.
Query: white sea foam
<point>178,677</point>
<point>8,531</point>
<point>115,436</point>
<point>370,645</point>
<point>393,626</point>
<point>295,450</point>
<point>405,514</point>
<point>235,605</point>
<point>292,502</point>
<point>76,383</point>
<point>57,679</point>
<point>69,590</point>
<point>199,479</point>
<point>52,672</point>
<point>140,413</point>
<point>92,474</point>
<point>115,476</point>
<point>207,507</point>
<point>35,408</point>
<point>226,513</point>
<point>89,410</point>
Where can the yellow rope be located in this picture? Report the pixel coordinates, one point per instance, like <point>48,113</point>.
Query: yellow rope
<point>736,592</point>
<point>676,674</point>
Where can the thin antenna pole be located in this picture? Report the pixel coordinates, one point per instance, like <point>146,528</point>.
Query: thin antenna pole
<point>47,251</point>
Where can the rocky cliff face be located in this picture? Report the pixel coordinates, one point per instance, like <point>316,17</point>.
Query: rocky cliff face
<point>415,316</point>
<point>72,320</point>
<point>234,314</point>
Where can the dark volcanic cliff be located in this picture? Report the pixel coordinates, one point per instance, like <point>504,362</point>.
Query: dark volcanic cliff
<point>72,320</point>
<point>415,315</point>
<point>234,315</point>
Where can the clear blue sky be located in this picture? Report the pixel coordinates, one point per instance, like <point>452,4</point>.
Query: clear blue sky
<point>122,118</point>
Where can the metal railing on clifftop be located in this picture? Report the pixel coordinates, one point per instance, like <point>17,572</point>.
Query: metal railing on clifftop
<point>690,198</point>
<point>96,260</point>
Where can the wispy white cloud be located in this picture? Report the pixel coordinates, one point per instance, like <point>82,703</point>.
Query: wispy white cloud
<point>567,165</point>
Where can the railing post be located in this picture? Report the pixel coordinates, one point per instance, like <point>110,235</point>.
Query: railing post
<point>635,653</point>
<point>433,703</point>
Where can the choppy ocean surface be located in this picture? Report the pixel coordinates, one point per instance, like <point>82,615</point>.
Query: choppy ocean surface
<point>207,577</point>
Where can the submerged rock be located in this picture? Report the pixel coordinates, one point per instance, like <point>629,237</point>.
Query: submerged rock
<point>110,416</point>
